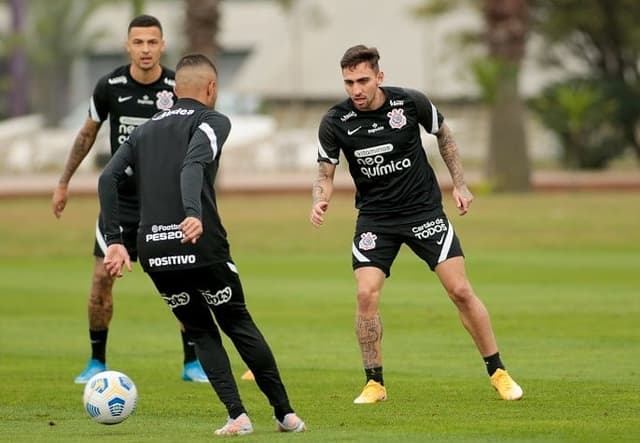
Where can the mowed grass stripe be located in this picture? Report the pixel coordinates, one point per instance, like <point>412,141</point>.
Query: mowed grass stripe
<point>557,271</point>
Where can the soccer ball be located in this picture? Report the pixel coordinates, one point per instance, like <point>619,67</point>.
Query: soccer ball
<point>110,397</point>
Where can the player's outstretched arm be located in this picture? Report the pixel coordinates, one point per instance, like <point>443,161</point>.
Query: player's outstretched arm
<point>116,258</point>
<point>321,193</point>
<point>191,229</point>
<point>81,146</point>
<point>449,152</point>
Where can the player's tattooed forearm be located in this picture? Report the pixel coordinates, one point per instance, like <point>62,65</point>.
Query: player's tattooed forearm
<point>318,191</point>
<point>449,152</point>
<point>369,336</point>
<point>81,146</point>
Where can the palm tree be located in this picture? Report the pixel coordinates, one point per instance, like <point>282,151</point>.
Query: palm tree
<point>18,81</point>
<point>59,35</point>
<point>201,25</point>
<point>506,34</point>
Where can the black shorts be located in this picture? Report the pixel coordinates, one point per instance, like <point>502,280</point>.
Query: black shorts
<point>189,292</point>
<point>377,243</point>
<point>129,237</point>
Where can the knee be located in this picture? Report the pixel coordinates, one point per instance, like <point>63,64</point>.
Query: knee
<point>461,293</point>
<point>367,298</point>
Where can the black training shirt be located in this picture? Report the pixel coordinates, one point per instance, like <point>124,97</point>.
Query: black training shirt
<point>175,158</point>
<point>384,151</point>
<point>127,104</point>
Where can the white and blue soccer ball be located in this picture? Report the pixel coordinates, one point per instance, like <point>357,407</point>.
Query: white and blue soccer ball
<point>110,397</point>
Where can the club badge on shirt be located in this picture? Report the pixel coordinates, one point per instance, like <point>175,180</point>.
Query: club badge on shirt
<point>397,118</point>
<point>165,100</point>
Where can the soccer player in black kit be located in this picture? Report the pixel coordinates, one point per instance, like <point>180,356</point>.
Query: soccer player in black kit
<point>182,243</point>
<point>127,96</point>
<point>399,202</point>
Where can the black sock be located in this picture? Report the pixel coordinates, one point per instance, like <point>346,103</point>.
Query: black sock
<point>493,362</point>
<point>236,411</point>
<point>98,344</point>
<point>189,348</point>
<point>281,411</point>
<point>374,374</point>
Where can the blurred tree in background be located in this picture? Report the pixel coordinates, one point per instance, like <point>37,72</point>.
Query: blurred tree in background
<point>202,24</point>
<point>14,48</point>
<point>497,75</point>
<point>507,25</point>
<point>57,36</point>
<point>597,113</point>
<point>46,38</point>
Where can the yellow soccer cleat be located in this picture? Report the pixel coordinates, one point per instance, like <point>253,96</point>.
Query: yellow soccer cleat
<point>373,392</point>
<point>506,386</point>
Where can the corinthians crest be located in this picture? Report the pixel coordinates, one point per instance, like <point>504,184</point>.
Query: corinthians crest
<point>165,100</point>
<point>397,118</point>
<point>367,241</point>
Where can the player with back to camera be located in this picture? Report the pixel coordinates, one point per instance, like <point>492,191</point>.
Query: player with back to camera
<point>175,158</point>
<point>399,202</point>
<point>127,96</point>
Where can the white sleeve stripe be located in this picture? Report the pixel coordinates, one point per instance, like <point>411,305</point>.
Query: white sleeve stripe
<point>93,112</point>
<point>211,135</point>
<point>100,238</point>
<point>358,255</point>
<point>323,154</point>
<point>444,252</point>
<point>434,119</point>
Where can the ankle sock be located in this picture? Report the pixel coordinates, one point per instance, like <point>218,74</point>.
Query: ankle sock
<point>493,363</point>
<point>374,374</point>
<point>98,344</point>
<point>189,348</point>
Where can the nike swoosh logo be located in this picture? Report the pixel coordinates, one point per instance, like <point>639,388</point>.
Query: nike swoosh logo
<point>124,99</point>
<point>439,242</point>
<point>353,131</point>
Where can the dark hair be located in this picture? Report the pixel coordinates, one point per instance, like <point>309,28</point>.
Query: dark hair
<point>195,60</point>
<point>360,54</point>
<point>145,21</point>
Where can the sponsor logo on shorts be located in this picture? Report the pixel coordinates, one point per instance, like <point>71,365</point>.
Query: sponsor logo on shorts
<point>367,241</point>
<point>170,260</point>
<point>175,300</point>
<point>430,229</point>
<point>164,233</point>
<point>217,298</point>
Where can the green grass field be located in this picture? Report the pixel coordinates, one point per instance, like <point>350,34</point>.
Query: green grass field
<point>560,274</point>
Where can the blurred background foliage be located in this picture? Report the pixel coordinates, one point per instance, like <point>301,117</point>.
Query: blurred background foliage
<point>593,111</point>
